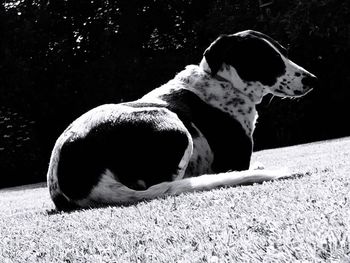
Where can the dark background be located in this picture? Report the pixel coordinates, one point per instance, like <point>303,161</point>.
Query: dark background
<point>59,59</point>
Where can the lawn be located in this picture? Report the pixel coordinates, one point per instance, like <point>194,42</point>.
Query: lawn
<point>304,219</point>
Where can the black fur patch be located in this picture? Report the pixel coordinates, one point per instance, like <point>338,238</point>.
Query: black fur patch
<point>252,57</point>
<point>131,145</point>
<point>231,146</point>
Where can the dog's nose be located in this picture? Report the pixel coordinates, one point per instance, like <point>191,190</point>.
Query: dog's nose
<point>309,81</point>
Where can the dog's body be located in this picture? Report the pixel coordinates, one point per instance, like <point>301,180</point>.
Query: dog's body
<point>201,122</point>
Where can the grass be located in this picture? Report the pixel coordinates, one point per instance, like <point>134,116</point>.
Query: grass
<point>305,219</point>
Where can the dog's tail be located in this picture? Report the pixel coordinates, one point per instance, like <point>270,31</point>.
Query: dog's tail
<point>111,192</point>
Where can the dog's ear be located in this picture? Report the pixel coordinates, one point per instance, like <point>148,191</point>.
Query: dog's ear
<point>218,51</point>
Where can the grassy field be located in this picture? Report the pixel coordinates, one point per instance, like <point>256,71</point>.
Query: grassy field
<point>305,219</point>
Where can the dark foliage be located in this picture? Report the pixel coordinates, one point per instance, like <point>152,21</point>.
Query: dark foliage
<point>60,58</point>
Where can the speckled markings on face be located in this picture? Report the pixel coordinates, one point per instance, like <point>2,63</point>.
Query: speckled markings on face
<point>290,84</point>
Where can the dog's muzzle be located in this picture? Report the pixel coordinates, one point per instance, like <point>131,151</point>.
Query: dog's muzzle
<point>310,81</point>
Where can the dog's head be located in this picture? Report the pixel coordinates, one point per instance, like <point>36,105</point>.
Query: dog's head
<point>250,58</point>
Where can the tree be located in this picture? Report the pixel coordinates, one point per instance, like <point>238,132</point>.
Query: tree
<point>60,58</point>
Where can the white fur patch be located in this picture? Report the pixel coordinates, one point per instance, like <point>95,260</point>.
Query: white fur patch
<point>207,182</point>
<point>185,159</point>
<point>202,156</point>
<point>52,179</point>
<point>107,191</point>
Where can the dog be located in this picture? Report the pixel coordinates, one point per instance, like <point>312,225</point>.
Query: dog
<point>193,133</point>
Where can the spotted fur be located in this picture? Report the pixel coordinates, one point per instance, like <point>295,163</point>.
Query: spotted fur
<point>193,133</point>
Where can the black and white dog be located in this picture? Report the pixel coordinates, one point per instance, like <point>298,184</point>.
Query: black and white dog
<point>181,137</point>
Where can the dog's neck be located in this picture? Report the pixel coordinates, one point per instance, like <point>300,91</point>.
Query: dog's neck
<point>223,93</point>
<point>253,90</point>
